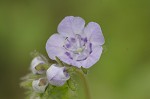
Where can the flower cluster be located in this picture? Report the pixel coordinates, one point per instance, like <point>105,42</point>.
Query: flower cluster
<point>55,74</point>
<point>74,47</point>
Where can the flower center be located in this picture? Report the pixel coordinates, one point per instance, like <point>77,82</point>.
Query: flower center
<point>77,48</point>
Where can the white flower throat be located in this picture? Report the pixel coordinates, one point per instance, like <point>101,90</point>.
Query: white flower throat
<point>77,48</point>
<point>75,45</point>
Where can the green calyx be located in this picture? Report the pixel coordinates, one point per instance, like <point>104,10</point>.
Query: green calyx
<point>42,67</point>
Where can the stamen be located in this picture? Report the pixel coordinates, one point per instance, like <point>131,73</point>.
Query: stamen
<point>79,50</point>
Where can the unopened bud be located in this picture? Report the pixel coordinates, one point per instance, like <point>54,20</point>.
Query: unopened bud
<point>39,85</point>
<point>57,75</point>
<point>38,65</point>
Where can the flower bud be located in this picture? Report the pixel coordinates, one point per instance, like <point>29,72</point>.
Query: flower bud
<point>39,85</point>
<point>56,75</point>
<point>38,65</point>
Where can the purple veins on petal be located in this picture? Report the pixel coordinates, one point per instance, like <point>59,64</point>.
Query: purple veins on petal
<point>90,45</point>
<point>82,59</point>
<point>69,55</point>
<point>68,45</point>
<point>85,40</point>
<point>73,40</point>
<point>93,57</point>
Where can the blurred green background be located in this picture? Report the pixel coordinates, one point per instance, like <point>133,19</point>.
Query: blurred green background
<point>123,71</point>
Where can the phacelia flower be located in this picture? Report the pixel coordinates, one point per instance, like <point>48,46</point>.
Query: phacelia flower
<point>39,85</point>
<point>75,43</point>
<point>38,65</point>
<point>56,75</point>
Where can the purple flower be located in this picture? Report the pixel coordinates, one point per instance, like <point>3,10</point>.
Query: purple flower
<point>76,44</point>
<point>56,75</point>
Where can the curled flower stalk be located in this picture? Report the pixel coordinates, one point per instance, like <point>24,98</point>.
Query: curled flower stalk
<point>74,48</point>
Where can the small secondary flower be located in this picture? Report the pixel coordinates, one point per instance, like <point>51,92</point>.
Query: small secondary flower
<point>39,85</point>
<point>56,75</point>
<point>38,65</point>
<point>76,44</point>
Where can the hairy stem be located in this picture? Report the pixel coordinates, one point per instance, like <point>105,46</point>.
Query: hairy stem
<point>85,84</point>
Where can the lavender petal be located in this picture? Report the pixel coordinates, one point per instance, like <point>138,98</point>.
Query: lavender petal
<point>94,33</point>
<point>70,26</point>
<point>93,57</point>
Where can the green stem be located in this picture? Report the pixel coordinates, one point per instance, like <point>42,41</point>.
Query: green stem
<point>59,61</point>
<point>85,84</point>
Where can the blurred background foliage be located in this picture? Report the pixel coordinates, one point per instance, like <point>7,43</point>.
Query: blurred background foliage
<point>123,71</point>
